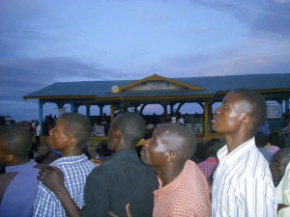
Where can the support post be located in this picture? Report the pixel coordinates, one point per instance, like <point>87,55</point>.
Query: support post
<point>206,121</point>
<point>112,111</point>
<point>40,116</point>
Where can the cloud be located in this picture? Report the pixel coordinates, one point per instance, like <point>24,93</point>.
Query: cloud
<point>36,73</point>
<point>264,17</point>
<point>269,56</point>
<point>21,76</point>
<point>51,69</point>
<point>43,42</point>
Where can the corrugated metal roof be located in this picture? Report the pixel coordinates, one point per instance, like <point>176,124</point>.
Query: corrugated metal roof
<point>211,85</point>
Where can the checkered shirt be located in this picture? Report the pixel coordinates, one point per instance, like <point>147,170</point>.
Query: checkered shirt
<point>75,169</point>
<point>187,195</point>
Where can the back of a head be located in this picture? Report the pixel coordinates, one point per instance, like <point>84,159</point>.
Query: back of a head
<point>180,139</point>
<point>200,151</point>
<point>261,139</point>
<point>213,146</point>
<point>274,138</point>
<point>102,149</point>
<point>132,126</point>
<point>279,163</point>
<point>15,139</point>
<point>284,154</point>
<point>253,104</point>
<point>79,126</point>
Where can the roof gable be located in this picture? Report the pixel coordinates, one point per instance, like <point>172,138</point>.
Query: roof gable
<point>155,82</point>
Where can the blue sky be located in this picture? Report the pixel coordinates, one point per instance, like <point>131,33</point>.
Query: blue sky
<point>48,41</point>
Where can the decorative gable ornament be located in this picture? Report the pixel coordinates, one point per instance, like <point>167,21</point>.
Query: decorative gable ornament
<point>156,82</point>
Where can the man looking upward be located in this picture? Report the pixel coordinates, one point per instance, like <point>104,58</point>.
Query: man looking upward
<point>242,183</point>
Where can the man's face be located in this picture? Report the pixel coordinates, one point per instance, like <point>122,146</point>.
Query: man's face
<point>228,117</point>
<point>154,149</point>
<point>278,166</point>
<point>58,138</point>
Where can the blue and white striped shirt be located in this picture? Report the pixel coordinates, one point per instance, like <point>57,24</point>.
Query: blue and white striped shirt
<point>243,184</point>
<point>75,170</point>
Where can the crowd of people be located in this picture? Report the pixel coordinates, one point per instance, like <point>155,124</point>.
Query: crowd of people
<point>247,173</point>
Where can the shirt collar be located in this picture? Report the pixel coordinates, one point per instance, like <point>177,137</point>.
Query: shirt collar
<point>175,183</point>
<point>127,153</point>
<point>212,160</point>
<point>70,159</point>
<point>234,155</point>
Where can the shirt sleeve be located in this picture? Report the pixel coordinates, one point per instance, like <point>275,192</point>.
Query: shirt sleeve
<point>259,197</point>
<point>45,204</point>
<point>283,192</point>
<point>284,212</point>
<point>286,192</point>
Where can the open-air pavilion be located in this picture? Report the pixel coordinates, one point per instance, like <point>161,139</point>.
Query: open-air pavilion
<point>168,92</point>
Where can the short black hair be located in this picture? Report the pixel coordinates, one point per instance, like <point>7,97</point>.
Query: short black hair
<point>79,126</point>
<point>179,139</point>
<point>253,104</point>
<point>213,146</point>
<point>15,139</point>
<point>261,139</point>
<point>131,125</point>
<point>274,138</point>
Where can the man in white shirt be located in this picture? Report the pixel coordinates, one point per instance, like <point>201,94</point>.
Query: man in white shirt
<point>283,189</point>
<point>242,183</point>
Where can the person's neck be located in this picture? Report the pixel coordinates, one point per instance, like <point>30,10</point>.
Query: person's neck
<point>18,162</point>
<point>168,174</point>
<point>71,153</point>
<point>124,147</point>
<point>235,141</point>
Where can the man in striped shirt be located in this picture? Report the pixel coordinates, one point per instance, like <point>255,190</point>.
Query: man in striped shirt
<point>242,183</point>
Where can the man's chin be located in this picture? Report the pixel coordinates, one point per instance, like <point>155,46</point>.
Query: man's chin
<point>216,129</point>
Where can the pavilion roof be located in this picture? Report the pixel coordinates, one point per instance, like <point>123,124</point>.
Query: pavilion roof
<point>187,86</point>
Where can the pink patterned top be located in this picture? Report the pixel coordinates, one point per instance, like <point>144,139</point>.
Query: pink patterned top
<point>187,195</point>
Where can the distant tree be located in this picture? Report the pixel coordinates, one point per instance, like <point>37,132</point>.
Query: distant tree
<point>12,121</point>
<point>2,120</point>
<point>123,107</point>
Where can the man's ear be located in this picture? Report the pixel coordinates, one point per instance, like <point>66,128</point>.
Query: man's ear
<point>116,132</point>
<point>71,139</point>
<point>246,118</point>
<point>246,121</point>
<point>171,155</point>
<point>10,157</point>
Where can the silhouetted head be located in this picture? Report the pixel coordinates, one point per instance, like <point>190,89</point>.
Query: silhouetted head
<point>170,144</point>
<point>126,130</point>
<point>15,144</point>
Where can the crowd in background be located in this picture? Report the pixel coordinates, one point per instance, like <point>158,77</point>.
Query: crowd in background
<point>274,146</point>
